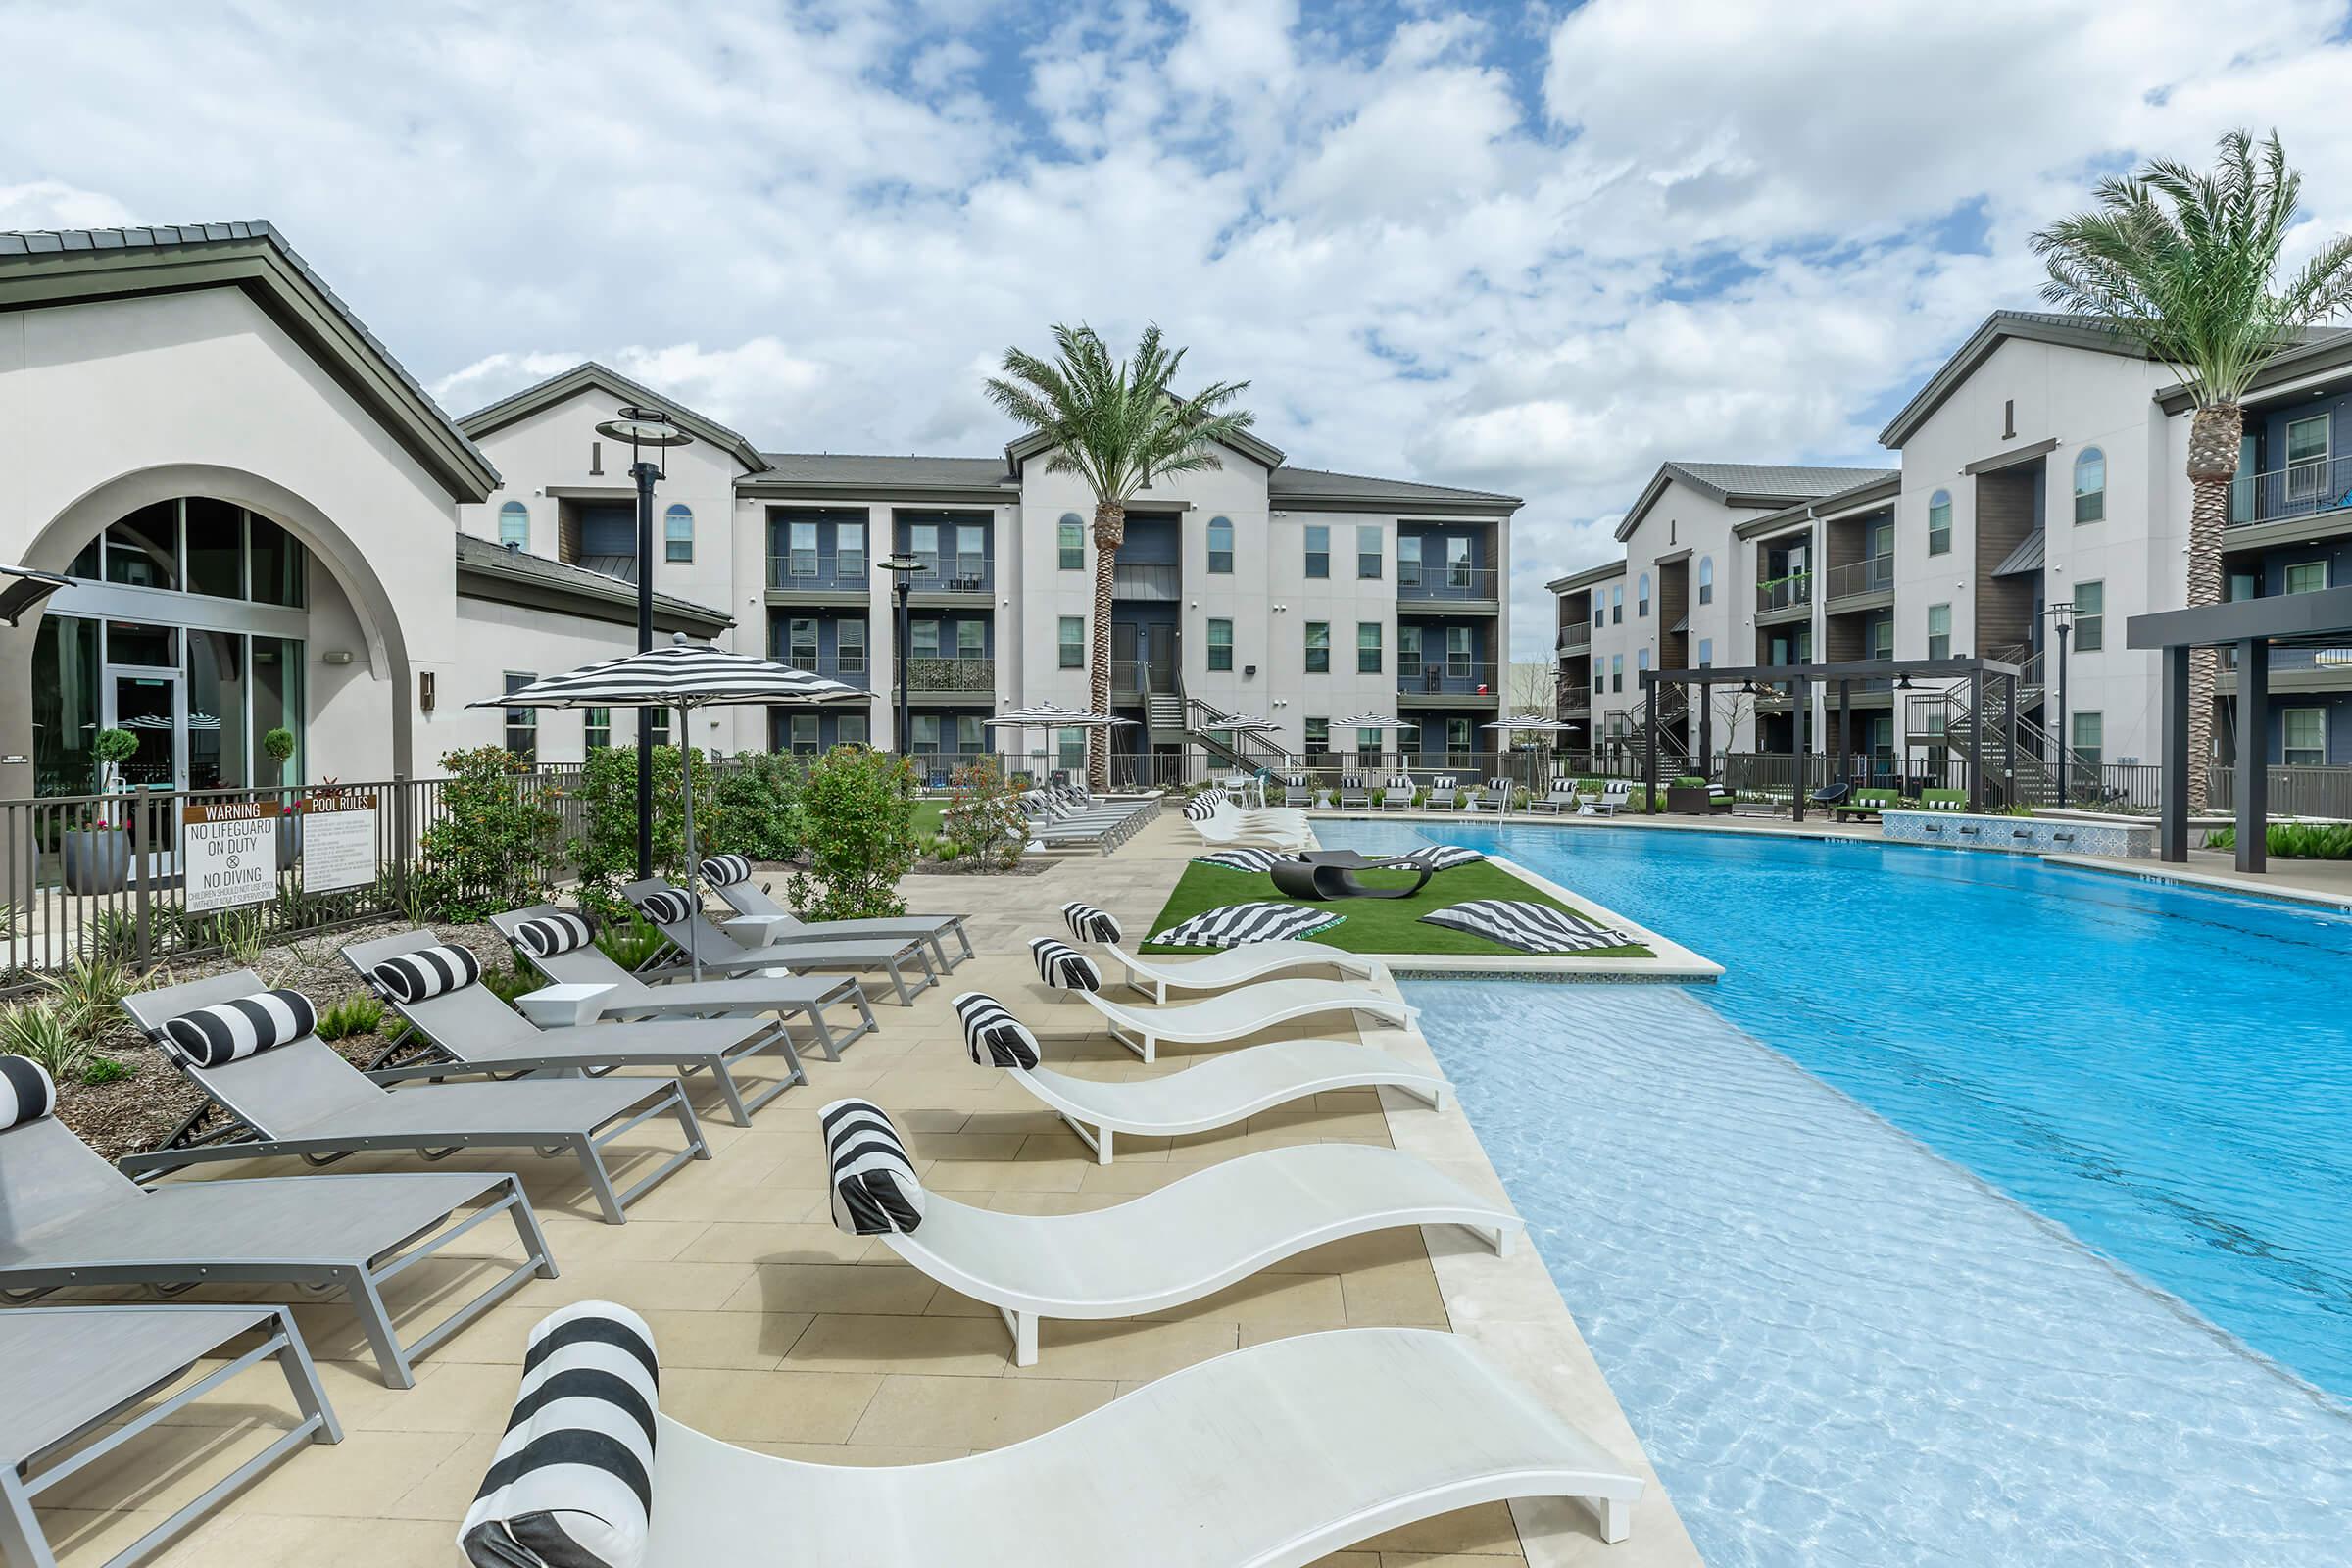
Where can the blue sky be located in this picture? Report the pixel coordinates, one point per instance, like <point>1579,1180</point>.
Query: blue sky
<point>1522,247</point>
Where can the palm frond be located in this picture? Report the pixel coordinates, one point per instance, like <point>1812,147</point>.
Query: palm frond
<point>1117,424</point>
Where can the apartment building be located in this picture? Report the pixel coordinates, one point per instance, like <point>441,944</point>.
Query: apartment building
<point>2042,479</point>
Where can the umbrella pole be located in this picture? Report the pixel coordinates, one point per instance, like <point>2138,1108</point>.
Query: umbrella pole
<point>694,947</point>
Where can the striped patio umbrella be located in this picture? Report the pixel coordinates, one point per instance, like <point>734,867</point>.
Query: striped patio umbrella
<point>1052,716</point>
<point>1377,721</point>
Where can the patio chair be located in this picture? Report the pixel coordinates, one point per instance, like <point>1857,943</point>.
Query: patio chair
<point>1298,791</point>
<point>1444,793</point>
<point>274,1087</point>
<point>1223,827</point>
<point>678,915</point>
<point>1867,804</point>
<point>1353,792</point>
<point>1216,1093</point>
<point>1834,794</point>
<point>1943,799</point>
<point>1046,833</point>
<point>730,877</point>
<point>1494,795</point>
<point>1615,796</point>
<point>1397,795</point>
<point>70,1220</point>
<point>1186,1239</point>
<point>1233,1014</point>
<point>1559,798</point>
<point>79,1383</point>
<point>457,1025</point>
<point>1215,971</point>
<point>559,943</point>
<point>1265,1457</point>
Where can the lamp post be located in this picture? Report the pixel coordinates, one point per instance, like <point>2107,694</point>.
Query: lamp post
<point>644,428</point>
<point>902,568</point>
<point>2062,620</point>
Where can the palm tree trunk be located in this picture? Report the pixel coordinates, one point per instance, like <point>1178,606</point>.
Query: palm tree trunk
<point>2213,437</point>
<point>1110,529</point>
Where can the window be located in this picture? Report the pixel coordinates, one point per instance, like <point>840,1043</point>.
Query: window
<point>1459,653</point>
<point>1617,606</point>
<point>2090,731</point>
<point>2306,576</point>
<point>1071,644</point>
<point>1220,645</point>
<point>1367,550</point>
<point>2090,617</point>
<point>1939,523</point>
<point>1882,638</point>
<point>1458,737</point>
<point>971,553</point>
<point>1600,676</point>
<point>514,526</point>
<point>1368,743</point>
<point>1317,733</point>
<point>806,738</point>
<point>1318,549</point>
<point>972,639</point>
<point>1642,597</point>
<point>1408,649</point>
<point>1642,659</point>
<point>1220,545</point>
<point>523,724</point>
<point>1073,542</point>
<point>1940,631</point>
<point>849,551</point>
<point>800,647</point>
<point>850,730</point>
<point>2303,737</point>
<point>1457,560</point>
<point>922,543</point>
<point>653,723</point>
<point>850,646</point>
<point>2091,485</point>
<point>924,639</point>
<point>598,728</point>
<point>678,534</point>
<point>2306,457</point>
<point>1707,653</point>
<point>1706,579</point>
<point>924,728</point>
<point>1600,609</point>
<point>1318,648</point>
<point>1616,672</point>
<point>800,550</point>
<point>1367,648</point>
<point>1069,749</point>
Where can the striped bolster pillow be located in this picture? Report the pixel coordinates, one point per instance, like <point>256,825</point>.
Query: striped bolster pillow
<point>1351,781</point>
<point>26,1092</point>
<point>426,972</point>
<point>1063,966</point>
<point>232,1031</point>
<point>875,1191</point>
<point>1199,810</point>
<point>725,871</point>
<point>572,1483</point>
<point>1398,781</point>
<point>663,906</point>
<point>992,1036</point>
<point>552,934</point>
<point>1444,781</point>
<point>1090,924</point>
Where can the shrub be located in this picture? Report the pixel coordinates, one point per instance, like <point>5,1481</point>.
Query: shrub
<point>106,1070</point>
<point>493,843</point>
<point>42,1032</point>
<point>606,856</point>
<point>356,1015</point>
<point>511,980</point>
<point>113,748</point>
<point>860,810</point>
<point>87,995</point>
<point>983,817</point>
<point>758,807</point>
<point>2294,841</point>
<point>626,939</point>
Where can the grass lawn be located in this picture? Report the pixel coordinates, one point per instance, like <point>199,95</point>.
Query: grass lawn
<point>1377,925</point>
<point>926,816</point>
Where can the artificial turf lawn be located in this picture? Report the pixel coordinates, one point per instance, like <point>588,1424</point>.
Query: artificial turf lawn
<point>1377,925</point>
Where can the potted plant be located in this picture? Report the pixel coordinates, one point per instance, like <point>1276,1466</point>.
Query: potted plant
<point>95,856</point>
<point>279,746</point>
<point>1687,792</point>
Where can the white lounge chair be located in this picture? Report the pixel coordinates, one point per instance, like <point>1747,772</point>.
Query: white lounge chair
<point>1215,971</point>
<point>1272,1456</point>
<point>1217,1093</point>
<point>1243,1011</point>
<point>730,877</point>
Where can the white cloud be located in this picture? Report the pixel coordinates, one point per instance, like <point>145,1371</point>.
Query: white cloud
<point>53,204</point>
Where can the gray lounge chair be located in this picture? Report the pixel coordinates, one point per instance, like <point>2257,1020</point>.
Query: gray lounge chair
<point>469,1029</point>
<point>68,1219</point>
<point>752,902</point>
<point>300,1097</point>
<point>723,955</point>
<point>1298,791</point>
<point>73,1381</point>
<point>1354,795</point>
<point>1443,793</point>
<point>1397,795</point>
<point>784,994</point>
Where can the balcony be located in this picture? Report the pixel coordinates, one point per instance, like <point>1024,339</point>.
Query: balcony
<point>1448,679</point>
<point>1133,679</point>
<point>852,670</point>
<point>1860,579</point>
<point>1576,639</point>
<point>817,572</point>
<point>952,679</point>
<point>2293,670</point>
<point>1158,582</point>
<point>1454,584</point>
<point>1782,595</point>
<point>2299,490</point>
<point>950,576</point>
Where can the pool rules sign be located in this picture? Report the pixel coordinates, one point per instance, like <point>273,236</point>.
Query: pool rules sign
<point>229,854</point>
<point>338,842</point>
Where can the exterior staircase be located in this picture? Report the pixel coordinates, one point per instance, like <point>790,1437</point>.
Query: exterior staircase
<point>1947,719</point>
<point>1244,752</point>
<point>1674,732</point>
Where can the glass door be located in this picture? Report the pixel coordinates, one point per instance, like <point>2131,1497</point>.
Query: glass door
<point>147,702</point>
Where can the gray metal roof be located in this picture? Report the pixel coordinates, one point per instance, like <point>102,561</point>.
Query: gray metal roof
<point>1310,484</point>
<point>1587,576</point>
<point>496,560</point>
<point>1797,483</point>
<point>593,374</point>
<point>826,468</point>
<point>2027,558</point>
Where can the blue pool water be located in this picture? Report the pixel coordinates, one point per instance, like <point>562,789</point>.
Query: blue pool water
<point>1985,1211</point>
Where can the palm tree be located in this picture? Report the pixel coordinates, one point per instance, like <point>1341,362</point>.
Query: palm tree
<point>2184,262</point>
<point>1118,424</point>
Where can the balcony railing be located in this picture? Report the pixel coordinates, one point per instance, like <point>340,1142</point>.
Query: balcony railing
<point>1575,639</point>
<point>2292,660</point>
<point>946,574</point>
<point>1418,580</point>
<point>1157,582</point>
<point>2298,490</point>
<point>1453,678</point>
<point>924,675</point>
<point>1872,576</point>
<point>1132,678</point>
<point>817,570</point>
<point>852,670</point>
<point>1784,593</point>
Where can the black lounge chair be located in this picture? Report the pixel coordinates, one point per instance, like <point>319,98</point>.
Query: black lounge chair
<point>1831,794</point>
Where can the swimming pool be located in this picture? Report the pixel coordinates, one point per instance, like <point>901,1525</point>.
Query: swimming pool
<point>1854,1305</point>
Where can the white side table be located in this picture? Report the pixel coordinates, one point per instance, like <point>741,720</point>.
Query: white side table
<point>564,1006</point>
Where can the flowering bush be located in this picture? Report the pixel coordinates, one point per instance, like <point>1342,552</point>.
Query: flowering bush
<point>983,819</point>
<point>606,854</point>
<point>494,842</point>
<point>859,810</point>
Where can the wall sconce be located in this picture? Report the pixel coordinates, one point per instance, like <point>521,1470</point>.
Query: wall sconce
<point>424,690</point>
<point>336,655</point>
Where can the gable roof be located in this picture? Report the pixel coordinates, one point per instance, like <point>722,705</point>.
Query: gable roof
<point>1883,485</point>
<point>493,572</point>
<point>1588,577</point>
<point>1312,486</point>
<point>2323,349</point>
<point>72,266</point>
<point>1023,448</point>
<point>1762,486</point>
<point>589,375</point>
<point>2038,326</point>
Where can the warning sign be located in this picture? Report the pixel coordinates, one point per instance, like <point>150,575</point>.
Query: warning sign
<point>229,854</point>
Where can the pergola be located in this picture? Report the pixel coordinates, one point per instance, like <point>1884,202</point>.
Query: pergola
<point>2253,626</point>
<point>1800,681</point>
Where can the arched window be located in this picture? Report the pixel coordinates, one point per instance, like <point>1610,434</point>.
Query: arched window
<point>2091,485</point>
<point>1706,579</point>
<point>1641,597</point>
<point>1939,523</point>
<point>678,534</point>
<point>514,526</point>
<point>1071,542</point>
<point>1220,544</point>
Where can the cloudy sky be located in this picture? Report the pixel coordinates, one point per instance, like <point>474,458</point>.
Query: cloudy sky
<point>1531,247</point>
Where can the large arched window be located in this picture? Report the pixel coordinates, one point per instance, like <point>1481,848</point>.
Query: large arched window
<point>1706,579</point>
<point>1220,544</point>
<point>2091,485</point>
<point>678,534</point>
<point>1939,523</point>
<point>1071,542</point>
<point>514,526</point>
<point>1641,597</point>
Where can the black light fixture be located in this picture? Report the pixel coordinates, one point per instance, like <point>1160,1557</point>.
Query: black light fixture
<point>902,567</point>
<point>644,428</point>
<point>2062,620</point>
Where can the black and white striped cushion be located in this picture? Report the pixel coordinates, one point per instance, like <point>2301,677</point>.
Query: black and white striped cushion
<point>1400,781</point>
<point>1529,928</point>
<point>1444,781</point>
<point>1090,924</point>
<point>571,1485</point>
<point>550,935</point>
<point>1244,860</point>
<point>1063,966</point>
<point>725,871</point>
<point>1351,781</point>
<point>1235,925</point>
<point>230,1031</point>
<point>874,1187</point>
<point>992,1036</point>
<point>426,972</point>
<point>26,1092</point>
<point>1198,809</point>
<point>664,906</point>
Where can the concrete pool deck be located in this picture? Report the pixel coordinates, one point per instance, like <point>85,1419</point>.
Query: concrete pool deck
<point>781,1334</point>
